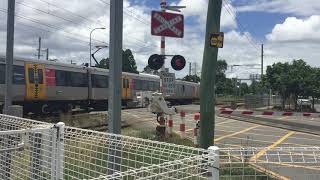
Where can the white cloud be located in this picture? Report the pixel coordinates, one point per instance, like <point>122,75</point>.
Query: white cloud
<point>70,41</point>
<point>294,29</point>
<point>295,39</point>
<point>295,7</point>
<point>199,8</point>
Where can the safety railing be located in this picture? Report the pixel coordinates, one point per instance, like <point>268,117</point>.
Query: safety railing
<point>30,149</point>
<point>35,150</point>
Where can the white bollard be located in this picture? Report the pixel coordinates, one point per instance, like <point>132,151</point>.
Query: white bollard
<point>213,162</point>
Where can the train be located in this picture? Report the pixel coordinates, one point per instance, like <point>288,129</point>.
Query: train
<point>46,86</point>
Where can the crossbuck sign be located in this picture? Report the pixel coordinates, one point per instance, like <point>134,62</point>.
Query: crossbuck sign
<point>167,24</point>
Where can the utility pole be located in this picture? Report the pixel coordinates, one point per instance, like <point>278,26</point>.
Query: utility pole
<point>114,107</point>
<point>47,51</point>
<point>189,68</point>
<point>208,76</point>
<point>9,56</point>
<point>116,29</point>
<point>39,48</point>
<point>261,60</point>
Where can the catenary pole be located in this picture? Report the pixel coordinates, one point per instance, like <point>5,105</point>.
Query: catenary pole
<point>208,76</point>
<point>262,54</point>
<point>9,55</point>
<point>116,25</point>
<point>39,48</point>
<point>47,53</point>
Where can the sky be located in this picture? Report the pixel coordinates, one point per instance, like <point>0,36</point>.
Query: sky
<point>289,29</point>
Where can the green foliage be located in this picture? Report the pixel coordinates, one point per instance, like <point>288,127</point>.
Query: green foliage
<point>191,78</point>
<point>148,70</point>
<point>128,62</point>
<point>296,79</point>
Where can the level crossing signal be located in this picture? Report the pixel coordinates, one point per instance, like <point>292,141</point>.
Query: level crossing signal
<point>178,62</point>
<point>156,61</point>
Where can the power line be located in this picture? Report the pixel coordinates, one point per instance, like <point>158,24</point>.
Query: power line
<point>229,9</point>
<point>71,21</point>
<point>70,12</point>
<point>50,26</point>
<point>143,21</point>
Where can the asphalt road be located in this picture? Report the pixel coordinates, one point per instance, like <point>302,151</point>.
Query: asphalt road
<point>231,133</point>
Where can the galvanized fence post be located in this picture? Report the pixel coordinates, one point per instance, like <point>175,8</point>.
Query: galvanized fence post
<point>59,153</point>
<point>213,163</point>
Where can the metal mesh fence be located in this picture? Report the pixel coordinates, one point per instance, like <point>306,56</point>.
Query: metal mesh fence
<point>90,154</point>
<point>29,150</point>
<point>36,150</point>
<point>276,163</point>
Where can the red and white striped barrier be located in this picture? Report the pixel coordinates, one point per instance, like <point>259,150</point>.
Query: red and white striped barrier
<point>267,113</point>
<point>196,130</point>
<point>170,125</point>
<point>183,125</point>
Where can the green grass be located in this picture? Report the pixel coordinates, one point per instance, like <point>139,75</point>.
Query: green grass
<point>151,135</point>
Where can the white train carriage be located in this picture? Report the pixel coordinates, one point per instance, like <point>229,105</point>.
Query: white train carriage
<point>45,86</point>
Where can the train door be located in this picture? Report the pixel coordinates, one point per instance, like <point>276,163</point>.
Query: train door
<point>125,88</point>
<point>35,82</point>
<point>129,86</point>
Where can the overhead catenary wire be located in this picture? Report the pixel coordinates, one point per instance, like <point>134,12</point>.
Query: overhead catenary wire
<point>68,20</point>
<point>241,27</point>
<point>61,28</point>
<point>143,21</point>
<point>71,21</point>
<point>50,26</point>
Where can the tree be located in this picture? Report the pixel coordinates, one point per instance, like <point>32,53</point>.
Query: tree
<point>289,80</point>
<point>312,87</point>
<point>128,62</point>
<point>148,70</point>
<point>191,78</point>
<point>223,85</point>
<point>244,89</point>
<point>104,63</point>
<point>278,78</point>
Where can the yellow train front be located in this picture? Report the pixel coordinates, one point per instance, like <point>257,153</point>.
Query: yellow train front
<point>46,86</point>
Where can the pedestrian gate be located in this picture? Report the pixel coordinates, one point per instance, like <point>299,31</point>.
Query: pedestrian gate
<point>35,152</point>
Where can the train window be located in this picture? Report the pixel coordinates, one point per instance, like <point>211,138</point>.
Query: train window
<point>40,76</point>
<point>31,75</point>
<point>123,83</point>
<point>18,75</point>
<point>78,79</point>
<point>62,78</point>
<point>155,86</point>
<point>127,83</point>
<point>152,86</point>
<point>138,84</point>
<point>144,85</point>
<point>2,73</point>
<point>100,81</point>
<point>158,86</point>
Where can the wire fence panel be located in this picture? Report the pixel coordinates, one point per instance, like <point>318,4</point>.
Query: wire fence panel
<point>36,150</point>
<point>93,154</point>
<point>266,163</point>
<point>30,150</point>
<point>90,154</point>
